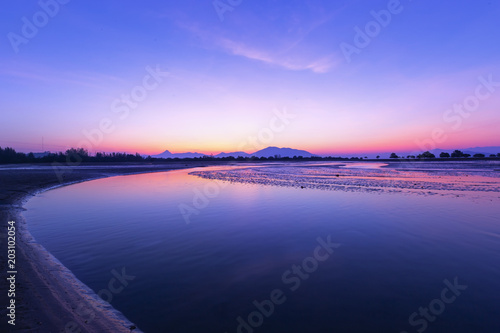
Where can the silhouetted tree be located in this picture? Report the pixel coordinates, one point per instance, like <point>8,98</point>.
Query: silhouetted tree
<point>77,154</point>
<point>457,153</point>
<point>394,155</point>
<point>9,155</point>
<point>444,155</point>
<point>479,155</point>
<point>427,154</point>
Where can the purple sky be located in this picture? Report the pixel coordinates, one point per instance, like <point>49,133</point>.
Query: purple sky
<point>330,77</point>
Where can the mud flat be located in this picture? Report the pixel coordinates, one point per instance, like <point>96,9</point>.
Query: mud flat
<point>477,180</point>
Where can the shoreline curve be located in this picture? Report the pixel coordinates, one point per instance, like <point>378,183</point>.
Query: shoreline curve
<point>49,297</point>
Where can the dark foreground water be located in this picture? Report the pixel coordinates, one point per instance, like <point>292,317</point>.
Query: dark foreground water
<point>256,258</point>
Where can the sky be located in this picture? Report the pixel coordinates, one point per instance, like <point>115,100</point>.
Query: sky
<point>330,77</point>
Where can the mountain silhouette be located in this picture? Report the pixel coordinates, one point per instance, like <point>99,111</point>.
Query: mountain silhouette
<point>168,154</point>
<point>233,154</point>
<point>282,152</point>
<point>266,152</point>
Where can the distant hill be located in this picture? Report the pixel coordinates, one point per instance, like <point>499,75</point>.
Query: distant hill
<point>39,155</point>
<point>283,152</point>
<point>234,154</point>
<point>266,152</point>
<point>290,152</point>
<point>485,150</point>
<point>167,154</point>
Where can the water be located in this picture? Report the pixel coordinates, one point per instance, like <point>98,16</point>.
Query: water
<point>394,251</point>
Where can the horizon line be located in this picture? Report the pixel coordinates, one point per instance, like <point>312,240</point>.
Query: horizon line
<point>323,154</point>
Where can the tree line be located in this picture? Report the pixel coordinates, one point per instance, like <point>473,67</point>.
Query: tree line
<point>10,156</point>
<point>455,154</point>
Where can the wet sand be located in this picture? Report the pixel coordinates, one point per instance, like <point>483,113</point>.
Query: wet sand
<point>45,300</point>
<point>474,180</point>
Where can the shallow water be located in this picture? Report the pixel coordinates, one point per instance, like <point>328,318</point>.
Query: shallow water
<point>392,253</point>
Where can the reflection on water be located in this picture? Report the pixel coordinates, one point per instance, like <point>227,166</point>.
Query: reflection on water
<point>245,241</point>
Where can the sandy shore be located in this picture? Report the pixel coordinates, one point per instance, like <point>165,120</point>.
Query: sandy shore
<point>48,297</point>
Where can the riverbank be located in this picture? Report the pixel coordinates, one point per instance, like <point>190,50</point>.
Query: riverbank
<point>48,298</point>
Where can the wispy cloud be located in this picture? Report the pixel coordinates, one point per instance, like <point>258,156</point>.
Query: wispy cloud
<point>282,40</point>
<point>318,65</point>
<point>288,57</point>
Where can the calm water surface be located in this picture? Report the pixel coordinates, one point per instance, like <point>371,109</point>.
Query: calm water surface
<point>243,241</point>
